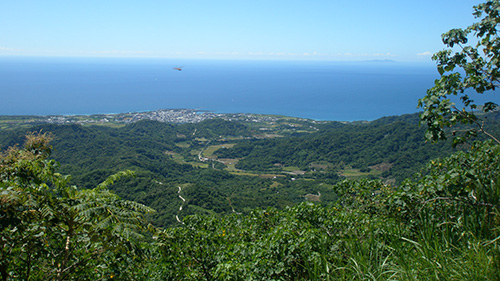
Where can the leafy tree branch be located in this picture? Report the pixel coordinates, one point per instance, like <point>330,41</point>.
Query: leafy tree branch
<point>473,69</point>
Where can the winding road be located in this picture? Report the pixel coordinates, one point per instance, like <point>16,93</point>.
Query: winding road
<point>180,208</point>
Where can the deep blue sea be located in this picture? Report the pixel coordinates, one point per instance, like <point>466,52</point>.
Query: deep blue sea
<point>342,91</point>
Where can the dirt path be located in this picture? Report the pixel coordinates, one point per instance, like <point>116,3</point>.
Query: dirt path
<point>180,208</point>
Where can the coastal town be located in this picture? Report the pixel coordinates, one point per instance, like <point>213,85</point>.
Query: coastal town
<point>177,116</point>
<point>162,115</point>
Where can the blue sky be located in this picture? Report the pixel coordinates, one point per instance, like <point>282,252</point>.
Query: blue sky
<point>235,29</point>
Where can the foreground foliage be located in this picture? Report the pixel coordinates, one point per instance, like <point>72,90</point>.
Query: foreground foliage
<point>469,69</point>
<point>53,231</point>
<point>444,225</point>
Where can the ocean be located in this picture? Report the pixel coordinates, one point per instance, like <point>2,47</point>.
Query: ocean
<point>321,90</point>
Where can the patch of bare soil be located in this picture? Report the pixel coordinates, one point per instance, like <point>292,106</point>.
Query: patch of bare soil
<point>382,167</point>
<point>313,197</point>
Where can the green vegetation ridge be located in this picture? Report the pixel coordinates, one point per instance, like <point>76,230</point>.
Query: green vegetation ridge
<point>280,208</point>
<point>229,161</point>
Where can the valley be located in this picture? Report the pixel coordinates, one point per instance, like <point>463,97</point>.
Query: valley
<point>232,162</point>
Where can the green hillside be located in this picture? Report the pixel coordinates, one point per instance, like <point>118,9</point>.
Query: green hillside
<point>263,197</point>
<point>225,166</point>
<point>441,225</point>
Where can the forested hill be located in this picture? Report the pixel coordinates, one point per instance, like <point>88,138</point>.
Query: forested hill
<point>235,166</point>
<point>397,148</point>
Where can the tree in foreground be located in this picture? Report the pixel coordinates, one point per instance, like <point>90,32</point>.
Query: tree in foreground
<point>469,68</point>
<point>53,231</point>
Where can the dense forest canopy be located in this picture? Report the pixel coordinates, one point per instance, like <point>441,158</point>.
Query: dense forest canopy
<point>285,200</point>
<point>242,170</point>
<point>54,230</point>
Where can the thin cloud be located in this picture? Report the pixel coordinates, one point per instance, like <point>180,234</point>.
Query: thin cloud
<point>119,53</point>
<point>425,54</point>
<point>368,55</point>
<point>5,49</point>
